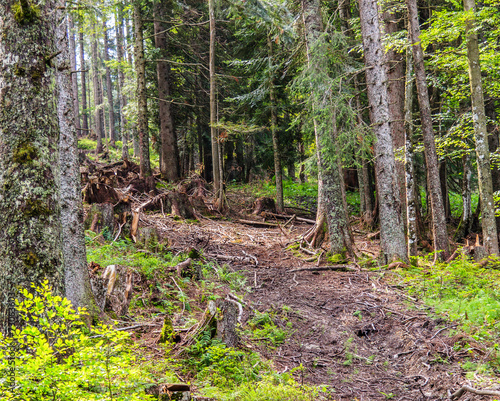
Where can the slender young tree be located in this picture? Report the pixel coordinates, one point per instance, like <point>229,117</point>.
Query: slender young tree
<point>490,236</point>
<point>142,110</point>
<point>30,228</point>
<point>121,80</point>
<point>280,206</point>
<point>74,75</point>
<point>85,121</point>
<point>97,91</point>
<point>391,225</point>
<point>213,111</point>
<point>433,183</point>
<point>109,88</point>
<point>76,275</point>
<point>169,165</point>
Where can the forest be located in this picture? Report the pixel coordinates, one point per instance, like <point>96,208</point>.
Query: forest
<point>249,200</point>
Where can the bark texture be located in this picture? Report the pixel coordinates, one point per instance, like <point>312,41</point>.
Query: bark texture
<point>489,226</point>
<point>30,240</point>
<point>169,163</point>
<point>76,275</point>
<point>391,225</point>
<point>142,105</point>
<point>439,230</point>
<point>98,100</point>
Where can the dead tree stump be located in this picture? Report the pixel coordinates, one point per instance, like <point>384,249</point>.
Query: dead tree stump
<point>226,325</point>
<point>100,219</point>
<point>264,205</point>
<point>148,238</point>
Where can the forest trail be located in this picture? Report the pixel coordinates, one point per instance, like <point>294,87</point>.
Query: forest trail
<point>352,331</point>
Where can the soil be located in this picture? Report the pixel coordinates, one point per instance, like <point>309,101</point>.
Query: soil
<point>352,331</point>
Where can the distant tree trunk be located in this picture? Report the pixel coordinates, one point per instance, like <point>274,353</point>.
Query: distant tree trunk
<point>213,111</point>
<point>490,236</point>
<point>76,275</point>
<point>30,227</point>
<point>396,93</point>
<point>74,75</point>
<point>109,89</point>
<point>142,111</point>
<point>331,206</point>
<point>433,184</point>
<point>392,237</point>
<point>169,155</point>
<point>443,179</point>
<point>121,81</point>
<point>96,83</point>
<point>280,206</point>
<point>467,219</point>
<point>411,190</point>
<point>85,122</point>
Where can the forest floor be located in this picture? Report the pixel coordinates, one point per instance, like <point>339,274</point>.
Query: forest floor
<point>354,331</point>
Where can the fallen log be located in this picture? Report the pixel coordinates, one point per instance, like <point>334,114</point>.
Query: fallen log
<point>287,217</point>
<point>240,259</point>
<point>256,223</point>
<point>457,394</point>
<point>342,268</point>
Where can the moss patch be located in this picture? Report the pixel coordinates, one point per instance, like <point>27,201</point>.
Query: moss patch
<point>25,12</point>
<point>25,153</point>
<point>35,208</point>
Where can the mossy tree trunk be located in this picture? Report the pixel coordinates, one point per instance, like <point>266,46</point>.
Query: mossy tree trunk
<point>76,275</point>
<point>30,230</point>
<point>74,75</point>
<point>98,100</point>
<point>85,121</point>
<point>121,80</point>
<point>109,88</point>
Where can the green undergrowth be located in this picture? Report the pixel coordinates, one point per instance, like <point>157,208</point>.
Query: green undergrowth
<point>464,292</point>
<point>212,368</point>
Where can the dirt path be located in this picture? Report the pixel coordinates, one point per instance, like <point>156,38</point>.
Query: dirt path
<point>351,330</point>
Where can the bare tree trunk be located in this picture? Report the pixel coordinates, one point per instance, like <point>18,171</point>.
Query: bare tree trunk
<point>169,155</point>
<point>121,81</point>
<point>489,227</point>
<point>213,110</point>
<point>392,237</point>
<point>96,83</point>
<point>142,118</point>
<point>396,93</point>
<point>280,206</point>
<point>76,276</point>
<point>85,122</point>
<point>411,190</point>
<point>74,75</point>
<point>109,89</point>
<point>433,184</point>
<point>30,227</point>
<point>466,221</point>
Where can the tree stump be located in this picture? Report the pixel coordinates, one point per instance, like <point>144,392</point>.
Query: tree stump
<point>226,325</point>
<point>113,289</point>
<point>101,219</point>
<point>264,205</point>
<point>148,238</point>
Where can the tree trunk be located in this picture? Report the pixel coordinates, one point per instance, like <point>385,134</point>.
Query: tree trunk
<point>109,89</point>
<point>85,121</point>
<point>411,189</point>
<point>121,81</point>
<point>433,184</point>
<point>96,83</point>
<point>331,205</point>
<point>280,206</point>
<point>169,163</point>
<point>30,227</point>
<point>213,110</point>
<point>392,237</point>
<point>466,221</point>
<point>142,111</point>
<point>76,275</point>
<point>489,227</point>
<point>396,94</point>
<point>74,75</point>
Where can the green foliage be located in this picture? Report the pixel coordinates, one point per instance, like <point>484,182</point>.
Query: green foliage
<point>262,327</point>
<point>462,290</point>
<point>58,358</point>
<point>223,274</point>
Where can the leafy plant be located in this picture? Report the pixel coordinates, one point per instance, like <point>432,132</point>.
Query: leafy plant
<point>58,358</point>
